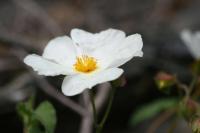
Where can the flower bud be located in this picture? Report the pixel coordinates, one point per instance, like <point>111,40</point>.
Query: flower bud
<point>164,80</point>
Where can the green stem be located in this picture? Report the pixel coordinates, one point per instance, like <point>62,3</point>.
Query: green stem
<point>183,87</point>
<point>92,99</point>
<point>193,83</point>
<point>101,125</point>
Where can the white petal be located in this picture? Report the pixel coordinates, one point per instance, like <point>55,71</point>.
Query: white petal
<point>192,41</point>
<point>117,54</point>
<point>73,85</point>
<point>131,47</point>
<point>61,50</point>
<point>93,41</point>
<point>81,37</point>
<point>186,36</point>
<point>46,67</point>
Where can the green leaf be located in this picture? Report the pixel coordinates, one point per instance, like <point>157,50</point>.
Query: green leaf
<point>147,111</point>
<point>35,129</point>
<point>30,103</point>
<point>24,113</point>
<point>25,109</point>
<point>46,114</point>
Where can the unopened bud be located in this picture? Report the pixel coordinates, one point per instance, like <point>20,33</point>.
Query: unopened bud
<point>164,80</point>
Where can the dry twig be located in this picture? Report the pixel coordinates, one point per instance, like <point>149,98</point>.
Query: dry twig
<point>53,92</point>
<point>37,11</point>
<point>159,121</point>
<point>101,97</point>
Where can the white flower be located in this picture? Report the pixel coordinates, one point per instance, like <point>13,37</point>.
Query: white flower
<point>87,59</point>
<point>192,41</point>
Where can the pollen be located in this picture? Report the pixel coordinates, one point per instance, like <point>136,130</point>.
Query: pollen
<point>85,64</point>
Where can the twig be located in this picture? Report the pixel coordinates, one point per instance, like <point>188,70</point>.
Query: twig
<point>101,97</point>
<point>101,124</point>
<point>14,40</point>
<point>86,125</point>
<point>50,90</point>
<point>184,87</point>
<point>17,83</point>
<point>172,126</point>
<point>193,83</point>
<point>7,64</point>
<point>36,10</point>
<point>16,90</point>
<point>159,121</point>
<point>92,99</point>
<point>86,122</point>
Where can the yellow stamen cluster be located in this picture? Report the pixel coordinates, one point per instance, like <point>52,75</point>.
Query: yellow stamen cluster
<point>85,64</point>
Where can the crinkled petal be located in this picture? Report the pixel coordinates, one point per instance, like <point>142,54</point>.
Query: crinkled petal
<point>46,67</point>
<point>82,37</point>
<point>73,85</point>
<point>131,47</point>
<point>93,41</point>
<point>116,55</point>
<point>62,50</point>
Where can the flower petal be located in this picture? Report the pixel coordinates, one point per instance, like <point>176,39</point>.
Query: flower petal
<point>192,41</point>
<point>46,67</point>
<point>73,85</point>
<point>131,47</point>
<point>116,55</point>
<point>93,41</point>
<point>61,50</point>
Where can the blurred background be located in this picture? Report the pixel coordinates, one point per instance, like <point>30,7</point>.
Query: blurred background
<point>27,25</point>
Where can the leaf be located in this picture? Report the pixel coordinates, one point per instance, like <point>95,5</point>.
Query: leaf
<point>25,109</point>
<point>35,129</point>
<point>30,103</point>
<point>151,109</point>
<point>46,114</point>
<point>24,113</point>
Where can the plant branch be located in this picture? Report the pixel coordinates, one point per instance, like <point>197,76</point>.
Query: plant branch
<point>159,121</point>
<point>100,99</point>
<point>92,99</point>
<point>51,91</point>
<point>101,125</point>
<point>37,11</point>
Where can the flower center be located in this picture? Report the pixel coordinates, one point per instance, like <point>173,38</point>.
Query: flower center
<point>85,64</point>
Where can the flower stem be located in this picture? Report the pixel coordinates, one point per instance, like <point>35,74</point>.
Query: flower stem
<point>193,83</point>
<point>92,99</point>
<point>101,125</point>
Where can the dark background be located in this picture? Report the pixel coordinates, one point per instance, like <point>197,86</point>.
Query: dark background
<point>30,24</point>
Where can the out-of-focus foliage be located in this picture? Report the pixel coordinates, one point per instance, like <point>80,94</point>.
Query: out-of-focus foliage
<point>46,114</point>
<point>189,108</point>
<point>196,67</point>
<point>40,120</point>
<point>195,124</point>
<point>150,110</point>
